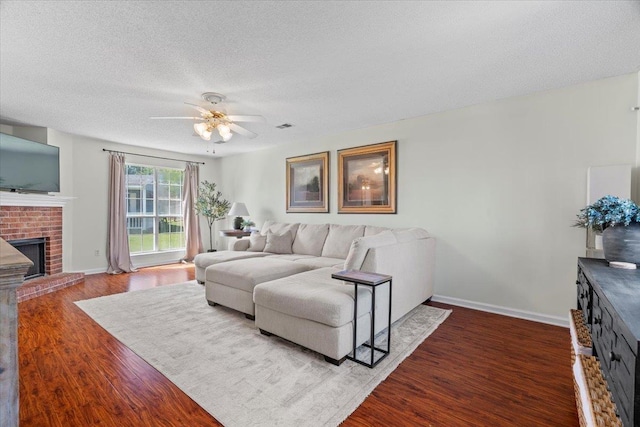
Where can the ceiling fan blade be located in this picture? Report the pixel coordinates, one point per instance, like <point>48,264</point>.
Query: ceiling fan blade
<point>236,118</point>
<point>199,108</point>
<point>242,131</point>
<point>189,118</point>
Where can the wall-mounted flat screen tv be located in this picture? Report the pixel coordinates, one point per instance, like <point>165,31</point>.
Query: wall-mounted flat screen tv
<point>28,166</point>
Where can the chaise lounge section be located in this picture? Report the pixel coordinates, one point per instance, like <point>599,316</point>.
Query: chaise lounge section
<point>317,312</point>
<point>231,284</point>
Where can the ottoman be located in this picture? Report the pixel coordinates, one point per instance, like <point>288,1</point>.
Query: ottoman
<point>316,311</point>
<point>204,260</point>
<point>231,283</point>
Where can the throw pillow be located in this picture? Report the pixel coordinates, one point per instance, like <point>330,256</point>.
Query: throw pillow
<point>278,243</point>
<point>257,242</point>
<point>361,245</point>
<point>408,234</point>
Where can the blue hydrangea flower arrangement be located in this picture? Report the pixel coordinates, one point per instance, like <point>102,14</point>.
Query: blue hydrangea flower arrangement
<point>608,212</point>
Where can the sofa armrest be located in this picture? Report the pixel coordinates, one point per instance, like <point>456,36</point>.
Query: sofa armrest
<point>412,266</point>
<point>239,245</point>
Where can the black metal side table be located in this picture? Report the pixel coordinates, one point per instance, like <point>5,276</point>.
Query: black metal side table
<point>372,280</point>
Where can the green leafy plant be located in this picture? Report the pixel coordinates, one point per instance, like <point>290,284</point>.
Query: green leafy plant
<point>211,205</point>
<point>608,211</point>
<point>247,223</point>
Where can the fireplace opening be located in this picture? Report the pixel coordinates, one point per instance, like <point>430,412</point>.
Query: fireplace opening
<point>34,250</point>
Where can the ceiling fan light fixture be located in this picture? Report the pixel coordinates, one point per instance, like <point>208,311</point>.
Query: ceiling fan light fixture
<point>224,131</point>
<point>212,119</point>
<point>203,130</point>
<point>200,128</point>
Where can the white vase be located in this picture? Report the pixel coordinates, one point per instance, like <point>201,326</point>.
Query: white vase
<point>598,241</point>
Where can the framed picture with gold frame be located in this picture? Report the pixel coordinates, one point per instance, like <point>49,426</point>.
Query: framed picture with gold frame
<point>308,183</point>
<point>367,179</point>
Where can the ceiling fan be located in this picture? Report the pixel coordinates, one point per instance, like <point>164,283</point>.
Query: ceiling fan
<point>219,121</point>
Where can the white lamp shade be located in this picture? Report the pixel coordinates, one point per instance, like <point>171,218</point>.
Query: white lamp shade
<point>202,129</point>
<point>223,129</point>
<point>238,209</point>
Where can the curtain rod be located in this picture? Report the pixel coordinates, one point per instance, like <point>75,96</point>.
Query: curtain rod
<point>155,157</point>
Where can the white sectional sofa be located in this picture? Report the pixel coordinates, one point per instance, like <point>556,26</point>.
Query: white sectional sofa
<point>281,277</point>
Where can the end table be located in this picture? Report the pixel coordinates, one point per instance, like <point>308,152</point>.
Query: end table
<point>372,280</point>
<point>235,233</point>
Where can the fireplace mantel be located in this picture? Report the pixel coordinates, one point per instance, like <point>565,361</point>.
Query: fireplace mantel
<point>29,199</point>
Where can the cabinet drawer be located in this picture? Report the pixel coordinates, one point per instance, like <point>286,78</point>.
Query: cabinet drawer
<point>622,374</point>
<point>598,319</point>
<point>616,358</point>
<point>584,297</point>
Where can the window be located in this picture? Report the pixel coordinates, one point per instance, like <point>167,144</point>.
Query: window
<point>154,209</point>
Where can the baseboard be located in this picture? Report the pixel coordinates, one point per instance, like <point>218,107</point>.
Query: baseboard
<point>135,264</point>
<point>94,271</point>
<point>506,311</point>
<point>155,263</point>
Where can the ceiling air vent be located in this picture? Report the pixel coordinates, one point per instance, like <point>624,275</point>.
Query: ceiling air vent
<point>284,126</point>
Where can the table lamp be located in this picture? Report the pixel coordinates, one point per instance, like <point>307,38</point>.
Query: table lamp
<point>239,209</point>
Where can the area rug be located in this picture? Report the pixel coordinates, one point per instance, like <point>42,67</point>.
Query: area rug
<point>242,378</point>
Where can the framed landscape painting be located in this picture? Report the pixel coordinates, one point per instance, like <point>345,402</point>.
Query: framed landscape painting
<point>308,183</point>
<point>367,179</point>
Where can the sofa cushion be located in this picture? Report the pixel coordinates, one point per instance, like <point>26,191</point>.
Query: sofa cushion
<point>238,244</point>
<point>279,243</point>
<point>280,228</point>
<point>310,239</point>
<point>246,274</point>
<point>370,230</point>
<point>408,234</point>
<point>257,242</point>
<point>313,295</point>
<point>361,245</point>
<point>290,257</point>
<point>320,262</point>
<point>339,240</point>
<point>204,260</point>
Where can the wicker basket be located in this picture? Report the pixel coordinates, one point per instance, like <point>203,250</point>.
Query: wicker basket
<point>580,337</point>
<point>595,406</point>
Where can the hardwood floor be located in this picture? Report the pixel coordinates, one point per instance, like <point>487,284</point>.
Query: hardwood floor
<point>476,369</point>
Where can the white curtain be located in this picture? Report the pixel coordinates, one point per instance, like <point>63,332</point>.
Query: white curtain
<point>117,238</point>
<point>191,224</point>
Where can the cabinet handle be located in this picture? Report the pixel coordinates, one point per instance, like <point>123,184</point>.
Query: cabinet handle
<point>577,282</point>
<point>597,320</point>
<point>614,357</point>
<point>582,295</point>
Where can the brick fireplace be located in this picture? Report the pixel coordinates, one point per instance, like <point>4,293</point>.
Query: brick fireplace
<point>31,222</point>
<point>33,216</point>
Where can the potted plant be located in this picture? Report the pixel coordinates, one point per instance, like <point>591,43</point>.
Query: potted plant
<point>619,221</point>
<point>211,205</point>
<point>247,224</point>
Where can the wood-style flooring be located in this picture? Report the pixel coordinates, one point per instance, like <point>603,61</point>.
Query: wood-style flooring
<point>476,369</point>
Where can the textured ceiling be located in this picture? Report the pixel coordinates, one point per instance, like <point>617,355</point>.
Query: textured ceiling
<point>101,69</point>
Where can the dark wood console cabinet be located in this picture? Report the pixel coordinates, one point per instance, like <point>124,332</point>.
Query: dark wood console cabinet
<point>610,300</point>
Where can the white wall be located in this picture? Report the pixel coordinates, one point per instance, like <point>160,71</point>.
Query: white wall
<point>635,173</point>
<point>498,184</point>
<point>32,133</point>
<point>84,172</point>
